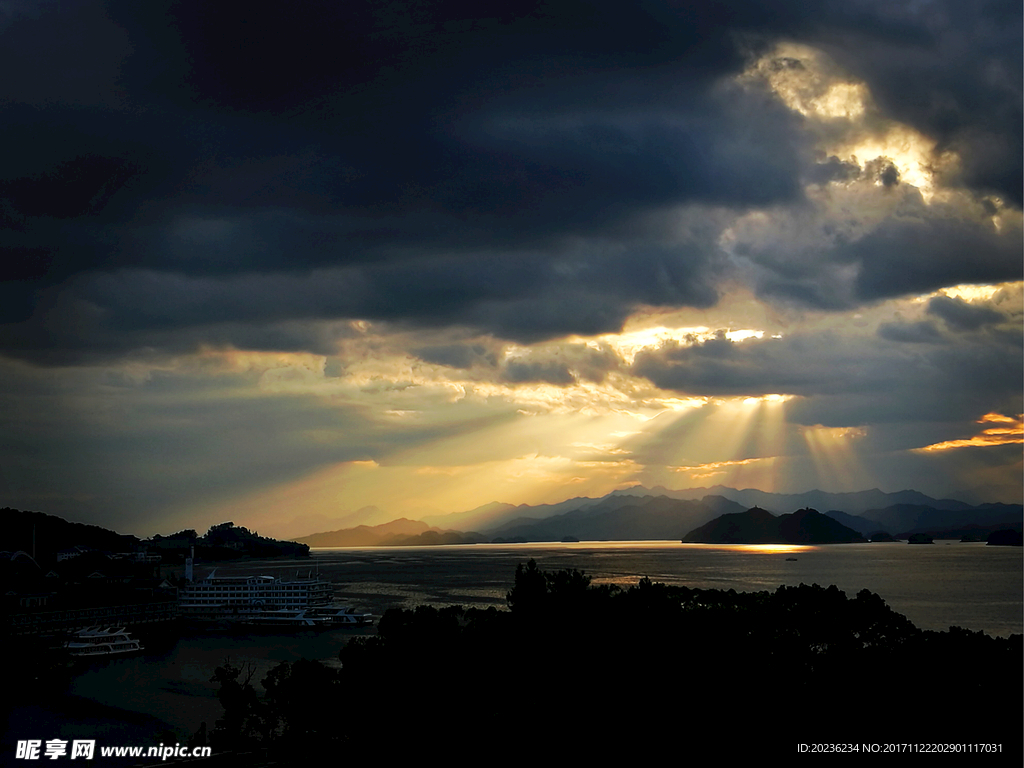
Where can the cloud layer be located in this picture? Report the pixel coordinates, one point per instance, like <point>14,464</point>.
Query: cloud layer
<point>464,215</point>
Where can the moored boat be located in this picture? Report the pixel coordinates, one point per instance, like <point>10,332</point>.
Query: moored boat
<point>344,616</point>
<point>247,597</point>
<point>327,617</point>
<point>102,641</point>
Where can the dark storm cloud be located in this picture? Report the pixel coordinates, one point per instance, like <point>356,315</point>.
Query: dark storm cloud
<point>958,80</point>
<point>832,169</point>
<point>548,372</point>
<point>883,171</point>
<point>918,249</point>
<point>523,296</point>
<point>921,332</point>
<point>848,380</point>
<point>800,365</point>
<point>73,188</point>
<point>920,255</point>
<point>458,355</point>
<point>368,154</point>
<point>566,365</point>
<point>949,384</point>
<point>562,365</point>
<point>808,290</point>
<point>961,315</point>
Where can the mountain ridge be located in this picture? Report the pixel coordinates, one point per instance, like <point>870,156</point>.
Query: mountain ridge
<point>634,513</point>
<point>494,516</point>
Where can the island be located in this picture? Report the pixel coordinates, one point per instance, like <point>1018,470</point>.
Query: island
<point>759,526</point>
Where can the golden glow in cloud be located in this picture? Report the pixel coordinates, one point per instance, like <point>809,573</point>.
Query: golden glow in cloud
<point>1007,298</point>
<point>1008,430</point>
<point>977,292</point>
<point>238,360</point>
<point>835,461</point>
<point>717,468</point>
<point>809,83</point>
<point>546,458</point>
<point>743,437</point>
<point>911,152</point>
<point>382,377</point>
<point>629,343</point>
<point>534,442</point>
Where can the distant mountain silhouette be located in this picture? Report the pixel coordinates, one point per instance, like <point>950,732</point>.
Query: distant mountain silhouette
<point>852,503</point>
<point>759,526</point>
<point>618,518</point>
<point>477,519</point>
<point>401,532</point>
<point>495,518</point>
<point>628,514</point>
<point>433,537</point>
<point>365,535</point>
<point>902,520</point>
<point>862,525</point>
<point>623,519</point>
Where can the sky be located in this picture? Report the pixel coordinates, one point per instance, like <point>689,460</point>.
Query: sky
<point>313,265</point>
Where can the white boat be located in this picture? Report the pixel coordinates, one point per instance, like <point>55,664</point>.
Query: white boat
<point>343,616</point>
<point>246,597</point>
<point>102,641</point>
<point>327,617</point>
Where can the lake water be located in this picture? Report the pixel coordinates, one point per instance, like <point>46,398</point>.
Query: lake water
<point>163,695</point>
<point>936,586</point>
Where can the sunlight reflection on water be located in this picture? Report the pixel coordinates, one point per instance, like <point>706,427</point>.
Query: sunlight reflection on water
<point>962,584</point>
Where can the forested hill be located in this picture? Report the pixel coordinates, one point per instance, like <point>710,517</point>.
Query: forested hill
<point>47,535</point>
<point>758,526</point>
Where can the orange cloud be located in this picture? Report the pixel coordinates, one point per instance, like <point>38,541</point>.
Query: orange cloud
<point>1013,432</point>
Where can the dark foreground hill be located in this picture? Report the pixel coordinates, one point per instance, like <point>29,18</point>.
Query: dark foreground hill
<point>48,535</point>
<point>758,526</point>
<point>574,671</point>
